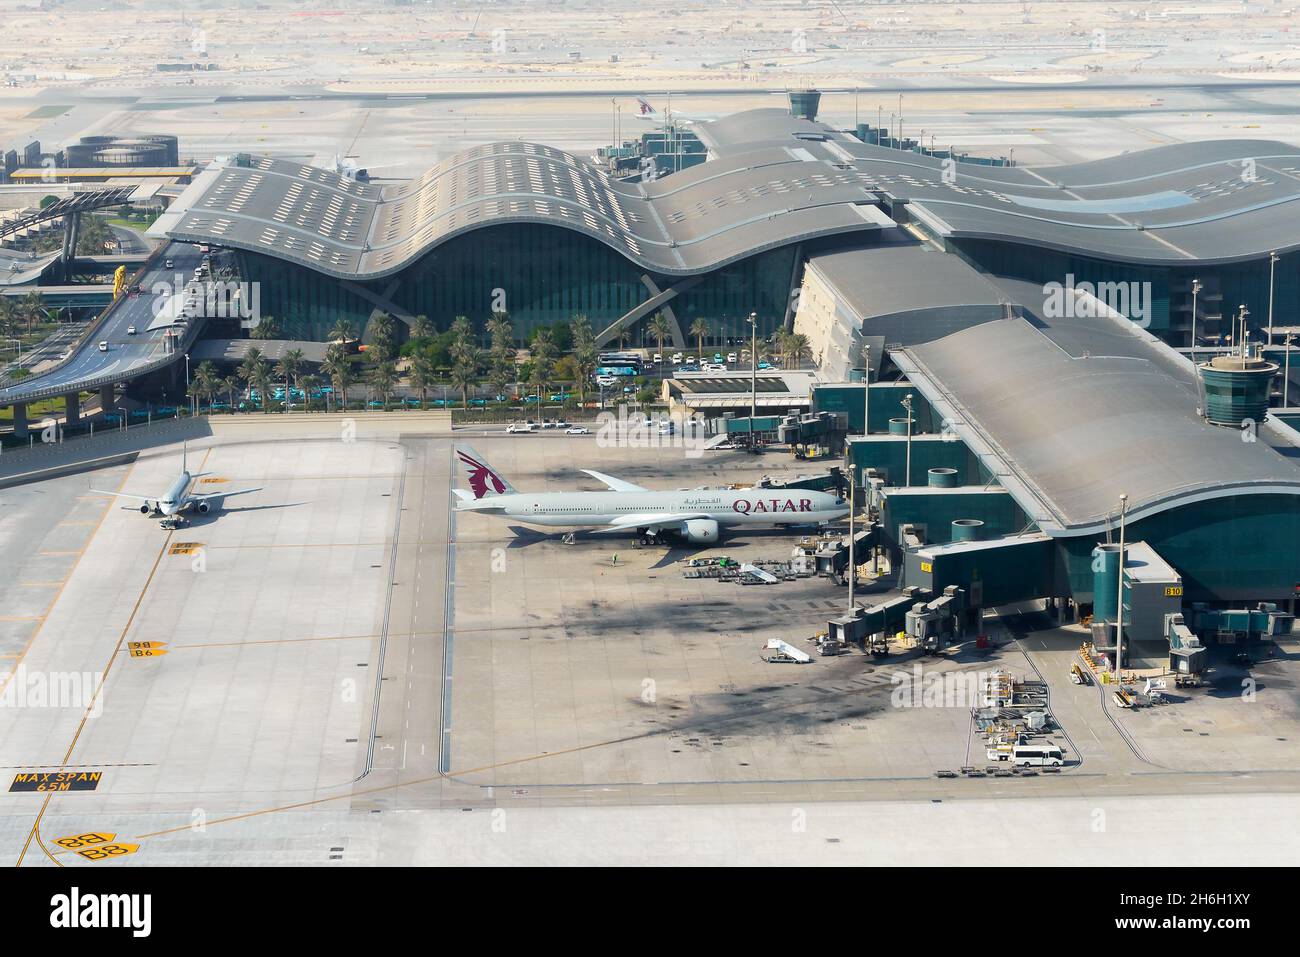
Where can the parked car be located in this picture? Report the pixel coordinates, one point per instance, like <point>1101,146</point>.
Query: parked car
<point>677,358</point>
<point>731,357</point>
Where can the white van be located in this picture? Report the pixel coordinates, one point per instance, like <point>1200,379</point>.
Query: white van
<point>1036,756</point>
<point>103,346</point>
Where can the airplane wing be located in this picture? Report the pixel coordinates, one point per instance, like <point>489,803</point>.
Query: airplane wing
<point>652,520</point>
<point>614,485</point>
<point>242,491</point>
<point>138,498</point>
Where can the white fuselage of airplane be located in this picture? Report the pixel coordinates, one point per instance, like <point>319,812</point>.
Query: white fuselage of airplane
<point>727,507</point>
<point>175,500</point>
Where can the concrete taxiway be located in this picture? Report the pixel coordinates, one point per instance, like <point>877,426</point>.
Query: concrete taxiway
<point>339,670</point>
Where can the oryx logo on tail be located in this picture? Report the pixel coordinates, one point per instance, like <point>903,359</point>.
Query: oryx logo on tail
<point>483,481</point>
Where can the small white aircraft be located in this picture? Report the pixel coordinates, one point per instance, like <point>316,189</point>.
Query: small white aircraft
<point>696,515</point>
<point>178,497</point>
<point>651,115</point>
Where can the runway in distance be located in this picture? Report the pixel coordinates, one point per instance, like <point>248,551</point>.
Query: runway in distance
<point>178,497</point>
<point>697,515</point>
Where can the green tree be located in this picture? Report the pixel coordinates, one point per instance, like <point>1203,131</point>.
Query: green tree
<point>342,332</point>
<point>338,367</point>
<point>230,386</point>
<point>383,338</point>
<point>256,371</point>
<point>661,331</point>
<point>383,378</point>
<point>309,384</point>
<point>501,353</point>
<point>543,350</point>
<point>422,328</point>
<point>585,354</point>
<point>464,373</point>
<point>423,377</point>
<point>206,382</point>
<point>700,330</point>
<point>289,369</point>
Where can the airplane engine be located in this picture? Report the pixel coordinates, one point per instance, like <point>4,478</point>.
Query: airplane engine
<point>203,508</point>
<point>700,531</point>
<point>146,508</point>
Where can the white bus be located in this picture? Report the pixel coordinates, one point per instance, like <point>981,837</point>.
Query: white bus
<point>1036,756</point>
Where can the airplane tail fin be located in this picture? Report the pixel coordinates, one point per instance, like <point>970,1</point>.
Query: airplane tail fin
<point>484,480</point>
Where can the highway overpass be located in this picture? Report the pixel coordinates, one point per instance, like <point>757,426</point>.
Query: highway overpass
<point>126,356</point>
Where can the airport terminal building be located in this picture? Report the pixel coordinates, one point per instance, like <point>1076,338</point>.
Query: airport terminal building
<point>1040,323</point>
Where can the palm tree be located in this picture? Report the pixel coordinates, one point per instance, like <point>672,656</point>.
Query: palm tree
<point>341,332</point>
<point>382,341</point>
<point>620,331</point>
<point>464,372</point>
<point>700,329</point>
<point>32,308</point>
<point>422,328</point>
<point>309,384</point>
<point>543,359</point>
<point>462,338</point>
<point>501,366</point>
<point>339,368</point>
<point>799,348</point>
<point>230,386</point>
<point>383,377</point>
<point>423,377</point>
<point>256,371</point>
<point>661,331</point>
<point>289,368</point>
<point>206,382</point>
<point>584,353</point>
<point>781,343</point>
<point>266,328</point>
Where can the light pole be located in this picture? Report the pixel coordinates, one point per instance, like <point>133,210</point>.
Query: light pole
<point>1196,287</point>
<point>753,375</point>
<point>866,388</point>
<point>19,344</point>
<point>1272,262</point>
<point>187,383</point>
<point>853,566</point>
<point>1286,374</point>
<point>906,402</point>
<point>1119,588</point>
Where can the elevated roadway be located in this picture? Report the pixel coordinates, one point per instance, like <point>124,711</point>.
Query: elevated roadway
<point>126,356</point>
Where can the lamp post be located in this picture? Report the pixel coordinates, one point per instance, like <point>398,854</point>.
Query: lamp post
<point>187,383</point>
<point>1119,598</point>
<point>853,567</point>
<point>1196,287</point>
<point>1286,374</point>
<point>1272,262</point>
<point>866,388</point>
<point>906,402</point>
<point>753,375</point>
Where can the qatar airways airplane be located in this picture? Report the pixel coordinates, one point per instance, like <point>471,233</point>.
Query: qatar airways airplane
<point>696,515</point>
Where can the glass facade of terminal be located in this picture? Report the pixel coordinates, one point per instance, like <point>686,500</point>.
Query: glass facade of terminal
<point>1224,287</point>
<point>539,274</point>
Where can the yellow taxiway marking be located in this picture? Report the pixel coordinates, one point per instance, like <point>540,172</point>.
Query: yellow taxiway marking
<point>52,584</point>
<point>35,832</point>
<point>22,617</point>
